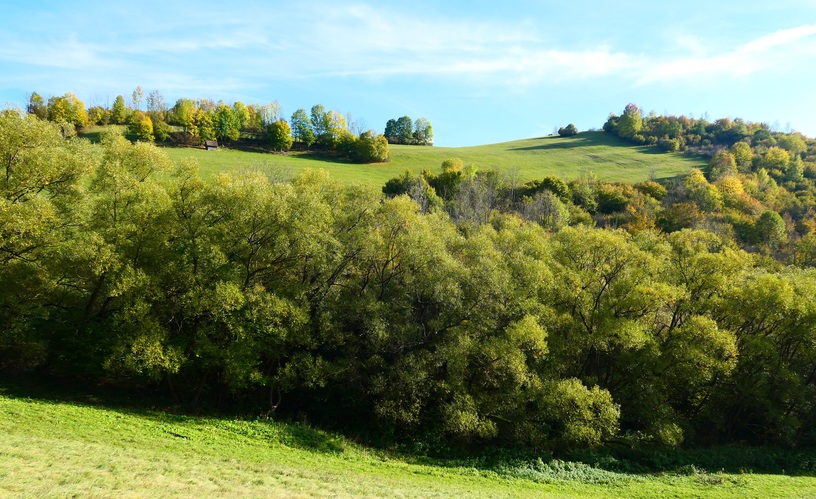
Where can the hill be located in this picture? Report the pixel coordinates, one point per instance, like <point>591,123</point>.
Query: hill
<point>606,156</point>
<point>59,449</point>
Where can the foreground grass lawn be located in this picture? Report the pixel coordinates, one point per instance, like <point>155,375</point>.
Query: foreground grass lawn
<point>599,153</point>
<point>55,449</point>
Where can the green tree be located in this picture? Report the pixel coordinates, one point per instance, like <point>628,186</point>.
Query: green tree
<point>771,229</point>
<point>183,114</point>
<point>319,119</point>
<point>226,124</point>
<point>743,155</point>
<point>370,148</point>
<point>37,106</point>
<point>794,143</point>
<point>302,130</point>
<point>119,111</point>
<point>141,126</point>
<point>404,130</point>
<point>241,112</point>
<point>776,160</point>
<point>423,132</point>
<point>630,122</point>
<point>722,164</point>
<point>41,193</point>
<point>568,131</point>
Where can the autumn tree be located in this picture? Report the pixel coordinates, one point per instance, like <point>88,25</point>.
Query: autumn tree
<point>279,135</point>
<point>141,126</point>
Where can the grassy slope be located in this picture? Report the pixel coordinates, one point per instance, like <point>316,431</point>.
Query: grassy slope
<point>59,449</point>
<point>597,152</point>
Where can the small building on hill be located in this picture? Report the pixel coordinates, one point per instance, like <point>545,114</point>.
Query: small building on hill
<point>211,145</point>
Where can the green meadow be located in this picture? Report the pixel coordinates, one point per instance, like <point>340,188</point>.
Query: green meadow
<point>601,154</point>
<point>54,448</point>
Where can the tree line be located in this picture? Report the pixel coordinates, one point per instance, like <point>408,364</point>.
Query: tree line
<point>191,122</point>
<point>437,314</point>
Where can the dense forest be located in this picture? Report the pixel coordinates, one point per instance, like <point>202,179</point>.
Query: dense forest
<point>457,307</point>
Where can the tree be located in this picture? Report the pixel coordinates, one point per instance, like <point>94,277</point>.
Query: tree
<point>319,119</point>
<point>370,148</point>
<point>568,131</point>
<point>721,165</point>
<point>118,111</point>
<point>794,143</point>
<point>41,196</point>
<point>141,126</point>
<point>423,132</point>
<point>155,102</point>
<point>630,123</point>
<point>743,155</point>
<point>202,125</point>
<point>241,112</point>
<point>302,130</point>
<point>137,97</point>
<point>404,130</point>
<point>98,115</point>
<point>67,109</point>
<point>226,124</point>
<point>183,113</point>
<point>776,160</point>
<point>36,106</point>
<point>279,135</point>
<point>771,229</point>
<point>390,132</point>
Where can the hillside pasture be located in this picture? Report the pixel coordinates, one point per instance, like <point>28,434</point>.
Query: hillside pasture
<point>53,448</point>
<point>598,153</point>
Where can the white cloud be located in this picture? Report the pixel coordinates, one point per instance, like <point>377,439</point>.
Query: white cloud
<point>377,43</point>
<point>780,48</point>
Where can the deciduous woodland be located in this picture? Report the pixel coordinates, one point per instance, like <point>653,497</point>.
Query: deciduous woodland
<point>451,307</point>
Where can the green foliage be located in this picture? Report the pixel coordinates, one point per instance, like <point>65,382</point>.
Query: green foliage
<point>568,131</point>
<point>67,109</point>
<point>630,122</point>
<point>226,124</point>
<point>423,132</point>
<point>370,148</point>
<point>439,314</point>
<point>279,135</point>
<point>302,128</point>
<point>141,126</point>
<point>119,111</point>
<point>37,106</point>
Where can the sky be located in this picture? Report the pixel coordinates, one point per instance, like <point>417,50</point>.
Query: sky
<point>481,72</point>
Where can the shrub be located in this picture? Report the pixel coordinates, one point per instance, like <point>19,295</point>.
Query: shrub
<point>568,131</point>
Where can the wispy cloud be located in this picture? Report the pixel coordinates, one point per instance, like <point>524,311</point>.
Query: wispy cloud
<point>195,52</point>
<point>780,48</point>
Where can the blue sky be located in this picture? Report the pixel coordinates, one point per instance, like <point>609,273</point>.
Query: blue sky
<point>482,72</point>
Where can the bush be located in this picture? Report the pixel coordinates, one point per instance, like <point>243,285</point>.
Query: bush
<point>668,145</point>
<point>370,148</point>
<point>568,131</point>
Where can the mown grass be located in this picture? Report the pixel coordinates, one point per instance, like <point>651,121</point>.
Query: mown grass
<point>599,153</point>
<point>53,448</point>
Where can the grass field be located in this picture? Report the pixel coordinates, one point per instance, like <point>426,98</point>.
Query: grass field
<point>599,153</point>
<point>58,449</point>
